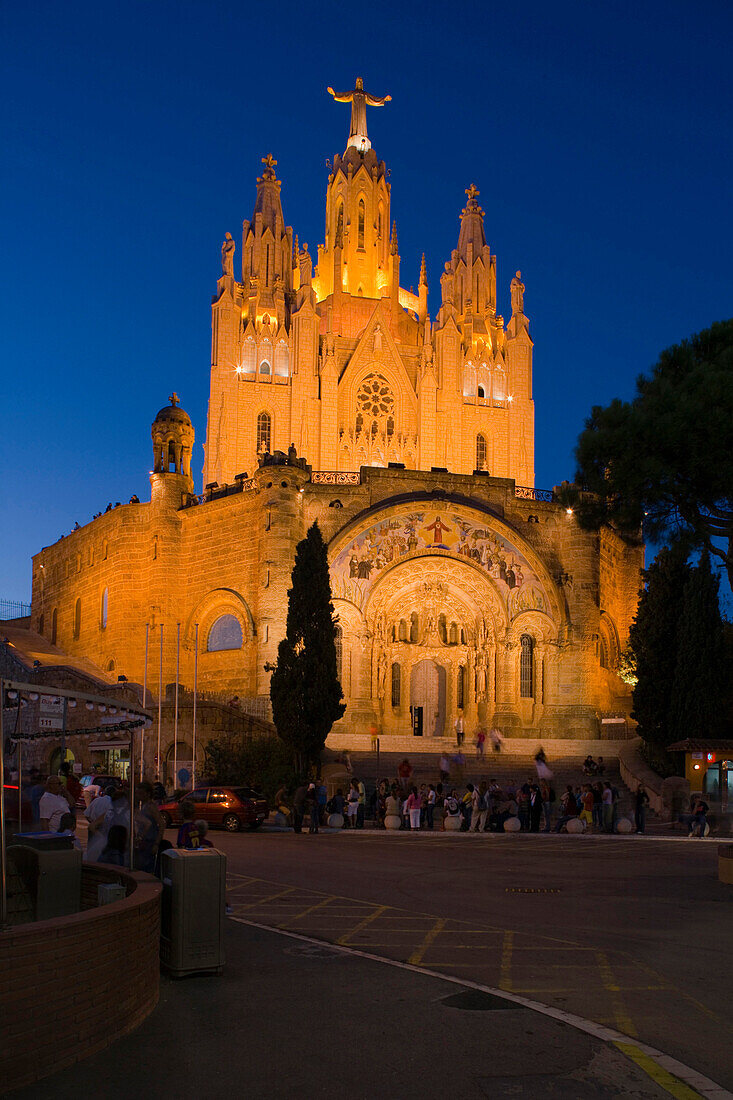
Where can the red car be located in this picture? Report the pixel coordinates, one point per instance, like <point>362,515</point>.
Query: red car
<point>228,807</point>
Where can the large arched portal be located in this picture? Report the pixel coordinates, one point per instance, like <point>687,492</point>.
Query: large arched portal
<point>434,599</point>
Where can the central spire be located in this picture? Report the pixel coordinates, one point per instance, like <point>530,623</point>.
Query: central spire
<point>359,100</point>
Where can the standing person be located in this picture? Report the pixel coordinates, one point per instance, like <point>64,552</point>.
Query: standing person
<point>149,829</point>
<point>523,795</point>
<point>404,772</point>
<point>607,803</point>
<point>413,808</point>
<point>460,729</point>
<point>361,804</point>
<point>699,818</point>
<point>281,802</point>
<point>54,804</point>
<point>444,768</point>
<point>72,784</point>
<point>312,802</point>
<point>452,805</point>
<point>188,834</point>
<point>352,804</point>
<point>431,800</point>
<point>337,804</point>
<point>459,763</point>
<point>480,742</point>
<point>641,801</point>
<point>466,807</point>
<point>540,763</point>
<point>96,815</point>
<point>568,808</point>
<point>299,799</point>
<point>475,810</point>
<point>159,791</point>
<point>597,789</point>
<point>496,739</point>
<point>586,814</point>
<point>392,803</point>
<point>535,808</point>
<point>322,792</point>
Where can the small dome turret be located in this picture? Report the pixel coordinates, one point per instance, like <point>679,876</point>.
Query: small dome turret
<point>173,438</point>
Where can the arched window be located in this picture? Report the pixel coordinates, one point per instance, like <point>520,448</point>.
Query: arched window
<point>282,360</point>
<point>103,609</point>
<point>460,686</point>
<point>362,217</point>
<point>265,357</point>
<point>265,367</point>
<point>453,634</point>
<point>249,356</point>
<point>264,432</point>
<point>526,667</point>
<point>442,629</point>
<point>413,626</point>
<point>339,643</point>
<point>481,392</point>
<point>111,665</point>
<point>77,618</point>
<point>402,633</point>
<point>226,633</point>
<point>375,406</point>
<point>396,685</point>
<point>54,625</point>
<point>380,217</point>
<point>340,224</point>
<point>480,452</point>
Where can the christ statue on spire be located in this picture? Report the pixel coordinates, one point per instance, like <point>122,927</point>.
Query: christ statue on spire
<point>359,100</point>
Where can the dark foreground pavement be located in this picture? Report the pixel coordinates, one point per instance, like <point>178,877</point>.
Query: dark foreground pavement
<point>289,1017</point>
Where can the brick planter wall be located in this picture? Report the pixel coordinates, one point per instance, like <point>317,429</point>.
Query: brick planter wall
<point>70,986</point>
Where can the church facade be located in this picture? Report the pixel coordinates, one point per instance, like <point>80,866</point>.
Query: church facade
<point>335,397</point>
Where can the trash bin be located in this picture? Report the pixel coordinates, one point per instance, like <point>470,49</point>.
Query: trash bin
<point>192,911</point>
<point>45,842</point>
<point>53,874</point>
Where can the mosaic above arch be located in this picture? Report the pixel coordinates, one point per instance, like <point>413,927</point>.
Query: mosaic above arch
<point>403,533</point>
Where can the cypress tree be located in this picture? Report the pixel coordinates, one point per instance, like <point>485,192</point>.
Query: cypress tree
<point>701,672</point>
<point>304,689</point>
<point>654,638</point>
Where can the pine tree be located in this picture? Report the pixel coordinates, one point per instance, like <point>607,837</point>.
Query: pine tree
<point>304,689</point>
<point>654,638</point>
<point>701,670</point>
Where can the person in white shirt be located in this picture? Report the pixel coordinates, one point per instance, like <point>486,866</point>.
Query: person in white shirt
<point>54,804</point>
<point>99,815</point>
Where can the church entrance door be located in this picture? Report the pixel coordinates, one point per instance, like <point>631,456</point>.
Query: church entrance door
<point>427,691</point>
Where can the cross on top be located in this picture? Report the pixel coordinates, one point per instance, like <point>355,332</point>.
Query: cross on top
<point>174,399</point>
<point>472,192</point>
<point>269,161</point>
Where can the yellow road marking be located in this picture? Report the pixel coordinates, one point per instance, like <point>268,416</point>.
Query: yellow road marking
<point>417,956</point>
<point>362,924</point>
<point>311,908</point>
<point>623,1020</point>
<point>506,962</point>
<point>660,1076</point>
<point>263,901</point>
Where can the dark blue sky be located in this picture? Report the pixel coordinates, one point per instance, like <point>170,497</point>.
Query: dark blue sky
<point>599,136</point>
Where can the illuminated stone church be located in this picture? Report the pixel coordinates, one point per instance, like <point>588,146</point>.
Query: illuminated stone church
<point>335,397</point>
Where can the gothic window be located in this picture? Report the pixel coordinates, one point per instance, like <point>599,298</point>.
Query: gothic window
<point>362,214</point>
<point>526,667</point>
<point>226,633</point>
<point>264,432</point>
<point>249,356</point>
<point>103,609</point>
<point>77,618</point>
<point>442,629</point>
<point>380,215</point>
<point>375,406</point>
<point>54,625</point>
<point>396,685</point>
<point>481,392</point>
<point>265,357</point>
<point>413,626</point>
<point>340,224</point>
<point>402,634</point>
<point>111,665</point>
<point>480,452</point>
<point>460,686</point>
<point>453,636</point>
<point>339,643</point>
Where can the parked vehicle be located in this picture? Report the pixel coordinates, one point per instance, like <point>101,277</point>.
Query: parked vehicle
<point>227,807</point>
<point>10,791</point>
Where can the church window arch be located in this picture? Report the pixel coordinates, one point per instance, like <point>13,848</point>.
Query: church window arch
<point>339,644</point>
<point>340,223</point>
<point>402,631</point>
<point>103,609</point>
<point>414,627</point>
<point>54,625</point>
<point>264,433</point>
<point>396,684</point>
<point>453,634</point>
<point>111,665</point>
<point>526,667</point>
<point>360,223</point>
<point>443,629</point>
<point>380,219</point>
<point>460,686</point>
<point>481,452</point>
<point>225,633</point>
<point>77,618</point>
<point>375,406</point>
<point>282,360</point>
<point>481,393</point>
<point>249,356</point>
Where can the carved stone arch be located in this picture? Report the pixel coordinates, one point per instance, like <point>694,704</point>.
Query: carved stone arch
<point>218,602</point>
<point>354,636</point>
<point>540,626</point>
<point>610,647</point>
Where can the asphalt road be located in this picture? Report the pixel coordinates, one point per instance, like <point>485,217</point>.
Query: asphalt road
<point>633,933</point>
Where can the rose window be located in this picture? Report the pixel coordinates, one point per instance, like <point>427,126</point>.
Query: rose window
<point>375,405</point>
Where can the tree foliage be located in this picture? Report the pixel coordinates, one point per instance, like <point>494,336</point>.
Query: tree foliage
<point>701,670</point>
<point>654,640</point>
<point>260,762</point>
<point>663,463</point>
<point>304,689</point>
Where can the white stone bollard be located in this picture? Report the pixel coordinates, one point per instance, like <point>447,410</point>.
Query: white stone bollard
<point>452,824</point>
<point>623,825</point>
<point>512,825</point>
<point>335,821</point>
<point>575,826</point>
<point>392,822</point>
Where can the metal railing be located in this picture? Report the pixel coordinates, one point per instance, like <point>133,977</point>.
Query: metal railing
<point>523,492</point>
<point>14,609</point>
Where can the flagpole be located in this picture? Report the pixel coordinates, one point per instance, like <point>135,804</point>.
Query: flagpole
<point>160,699</point>
<point>195,689</point>
<point>175,720</point>
<point>145,699</point>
